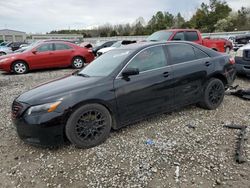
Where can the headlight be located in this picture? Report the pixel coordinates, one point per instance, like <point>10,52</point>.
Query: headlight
<point>49,107</point>
<point>239,53</point>
<point>3,60</point>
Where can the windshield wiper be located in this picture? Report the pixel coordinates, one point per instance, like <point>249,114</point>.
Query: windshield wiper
<point>83,75</point>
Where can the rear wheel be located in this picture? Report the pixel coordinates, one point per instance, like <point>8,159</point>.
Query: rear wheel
<point>20,67</point>
<point>78,62</point>
<point>213,94</point>
<point>88,126</point>
<point>2,53</point>
<point>227,50</point>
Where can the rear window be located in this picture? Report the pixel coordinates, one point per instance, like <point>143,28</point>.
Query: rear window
<point>191,36</point>
<point>200,54</point>
<point>180,53</point>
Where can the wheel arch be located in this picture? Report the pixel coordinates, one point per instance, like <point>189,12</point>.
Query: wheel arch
<point>16,60</point>
<point>220,77</point>
<point>94,101</point>
<point>81,56</point>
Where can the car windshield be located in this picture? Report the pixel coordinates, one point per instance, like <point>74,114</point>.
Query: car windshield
<point>105,64</point>
<point>117,44</point>
<point>160,36</point>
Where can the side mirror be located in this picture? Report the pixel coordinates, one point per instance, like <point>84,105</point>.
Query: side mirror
<point>34,51</point>
<point>129,72</point>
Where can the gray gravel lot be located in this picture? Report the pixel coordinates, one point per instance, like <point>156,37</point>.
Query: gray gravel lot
<point>180,156</point>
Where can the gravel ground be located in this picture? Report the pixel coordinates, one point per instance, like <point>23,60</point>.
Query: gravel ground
<point>176,155</point>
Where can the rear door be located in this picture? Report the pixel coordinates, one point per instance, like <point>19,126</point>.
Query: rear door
<point>62,54</point>
<point>149,92</point>
<point>191,67</point>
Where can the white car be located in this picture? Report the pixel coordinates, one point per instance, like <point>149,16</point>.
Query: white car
<point>115,45</point>
<point>5,50</point>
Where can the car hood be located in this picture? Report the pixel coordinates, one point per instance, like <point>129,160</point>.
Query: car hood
<point>104,50</point>
<point>246,47</point>
<point>11,55</point>
<point>57,89</point>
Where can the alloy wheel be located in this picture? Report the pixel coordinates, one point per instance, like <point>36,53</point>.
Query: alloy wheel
<point>216,93</point>
<point>90,125</point>
<point>78,63</point>
<point>20,68</point>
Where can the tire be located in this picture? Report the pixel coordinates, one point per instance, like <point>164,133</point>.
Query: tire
<point>20,67</point>
<point>213,94</point>
<point>2,53</point>
<point>227,50</point>
<point>77,62</point>
<point>88,126</point>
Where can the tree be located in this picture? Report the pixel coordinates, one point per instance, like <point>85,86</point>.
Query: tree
<point>178,21</point>
<point>207,16</point>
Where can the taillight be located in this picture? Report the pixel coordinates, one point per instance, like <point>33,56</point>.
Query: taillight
<point>90,51</point>
<point>232,61</point>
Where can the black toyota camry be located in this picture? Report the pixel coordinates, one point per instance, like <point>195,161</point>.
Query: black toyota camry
<point>122,86</point>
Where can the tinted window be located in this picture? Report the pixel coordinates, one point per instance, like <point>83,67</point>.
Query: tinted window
<point>45,48</point>
<point>160,35</point>
<point>191,36</point>
<point>149,59</point>
<point>179,36</point>
<point>200,54</point>
<point>181,53</point>
<point>60,46</point>
<point>106,63</point>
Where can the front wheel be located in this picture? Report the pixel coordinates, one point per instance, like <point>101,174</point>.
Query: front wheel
<point>89,126</point>
<point>20,67</point>
<point>77,63</point>
<point>213,94</point>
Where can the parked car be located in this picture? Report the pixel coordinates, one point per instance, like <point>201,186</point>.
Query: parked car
<point>46,55</point>
<point>242,60</point>
<point>115,45</point>
<point>4,50</point>
<point>120,87</point>
<point>191,35</point>
<point>240,41</point>
<point>103,45</point>
<point>228,44</point>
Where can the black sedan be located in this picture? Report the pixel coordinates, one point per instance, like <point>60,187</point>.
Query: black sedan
<point>122,86</point>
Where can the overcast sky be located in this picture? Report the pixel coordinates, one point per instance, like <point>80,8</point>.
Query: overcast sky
<point>40,16</point>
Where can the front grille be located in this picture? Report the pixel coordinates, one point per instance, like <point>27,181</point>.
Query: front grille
<point>16,109</point>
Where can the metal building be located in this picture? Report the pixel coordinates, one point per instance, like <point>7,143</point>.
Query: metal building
<point>12,35</point>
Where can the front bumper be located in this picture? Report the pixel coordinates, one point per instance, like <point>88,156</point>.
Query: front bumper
<point>5,66</point>
<point>44,130</point>
<point>242,66</point>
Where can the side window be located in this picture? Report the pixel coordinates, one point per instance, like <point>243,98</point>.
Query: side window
<point>60,46</point>
<point>45,48</point>
<point>200,54</point>
<point>179,36</point>
<point>191,36</point>
<point>149,59</point>
<point>180,53</point>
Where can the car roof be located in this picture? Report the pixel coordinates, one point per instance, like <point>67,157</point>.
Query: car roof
<point>139,45</point>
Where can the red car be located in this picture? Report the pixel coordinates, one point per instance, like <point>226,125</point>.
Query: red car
<point>191,35</point>
<point>43,55</point>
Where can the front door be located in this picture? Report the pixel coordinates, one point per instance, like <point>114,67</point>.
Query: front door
<point>41,57</point>
<point>148,92</point>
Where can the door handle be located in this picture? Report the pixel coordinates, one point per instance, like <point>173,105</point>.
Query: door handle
<point>208,64</point>
<point>166,74</point>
